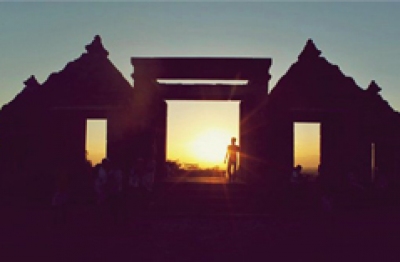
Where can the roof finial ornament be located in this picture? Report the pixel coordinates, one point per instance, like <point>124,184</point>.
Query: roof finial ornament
<point>31,82</point>
<point>373,87</point>
<point>96,47</point>
<point>310,51</point>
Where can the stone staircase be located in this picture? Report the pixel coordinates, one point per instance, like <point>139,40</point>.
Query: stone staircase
<point>203,198</point>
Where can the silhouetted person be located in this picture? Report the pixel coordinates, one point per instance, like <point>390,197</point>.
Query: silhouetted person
<point>135,177</point>
<point>115,192</point>
<point>325,188</point>
<point>101,181</point>
<point>138,182</point>
<point>295,185</point>
<point>296,177</point>
<point>94,174</point>
<point>148,179</point>
<point>232,157</point>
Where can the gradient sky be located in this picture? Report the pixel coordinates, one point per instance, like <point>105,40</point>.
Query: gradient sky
<point>41,38</point>
<point>307,146</point>
<point>199,132</point>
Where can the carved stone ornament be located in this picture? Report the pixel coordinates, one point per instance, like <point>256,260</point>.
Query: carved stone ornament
<point>310,51</point>
<point>96,47</point>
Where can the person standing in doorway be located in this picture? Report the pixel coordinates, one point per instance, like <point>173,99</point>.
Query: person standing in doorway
<point>232,157</point>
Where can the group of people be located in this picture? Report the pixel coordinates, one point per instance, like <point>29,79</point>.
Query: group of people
<point>339,189</point>
<point>114,184</point>
<point>113,187</point>
<point>111,179</point>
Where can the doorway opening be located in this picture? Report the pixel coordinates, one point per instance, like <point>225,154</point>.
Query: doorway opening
<point>307,147</point>
<point>198,132</point>
<point>96,140</point>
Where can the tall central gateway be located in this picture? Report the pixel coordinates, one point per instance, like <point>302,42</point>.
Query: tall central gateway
<point>42,130</point>
<point>152,93</point>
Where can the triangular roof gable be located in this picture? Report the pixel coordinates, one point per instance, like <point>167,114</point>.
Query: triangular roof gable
<point>313,82</point>
<point>380,115</point>
<point>90,80</point>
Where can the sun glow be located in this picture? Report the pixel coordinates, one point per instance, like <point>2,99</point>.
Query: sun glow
<point>210,146</point>
<point>198,132</point>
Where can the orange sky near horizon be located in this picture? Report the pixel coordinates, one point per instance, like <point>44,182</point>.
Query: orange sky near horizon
<point>203,137</point>
<point>307,145</point>
<point>96,139</point>
<point>204,142</point>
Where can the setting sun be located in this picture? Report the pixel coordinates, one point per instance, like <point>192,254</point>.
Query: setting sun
<point>210,146</point>
<point>198,132</point>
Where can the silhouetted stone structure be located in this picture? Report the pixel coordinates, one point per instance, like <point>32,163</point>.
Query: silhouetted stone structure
<point>353,120</point>
<point>251,95</point>
<point>43,128</point>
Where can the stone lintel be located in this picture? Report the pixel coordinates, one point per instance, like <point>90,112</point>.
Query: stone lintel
<point>207,92</point>
<point>255,69</point>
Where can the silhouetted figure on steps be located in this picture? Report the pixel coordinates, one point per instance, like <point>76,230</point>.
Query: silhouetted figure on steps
<point>116,196</point>
<point>139,188</point>
<point>232,157</point>
<point>101,181</point>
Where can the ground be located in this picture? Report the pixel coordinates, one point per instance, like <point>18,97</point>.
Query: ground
<point>362,234</point>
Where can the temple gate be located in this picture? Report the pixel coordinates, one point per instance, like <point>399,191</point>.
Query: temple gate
<point>151,95</point>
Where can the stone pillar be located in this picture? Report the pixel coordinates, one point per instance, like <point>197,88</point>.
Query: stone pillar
<point>252,132</point>
<point>278,147</point>
<point>161,138</point>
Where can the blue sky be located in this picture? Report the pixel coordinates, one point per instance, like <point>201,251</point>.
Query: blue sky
<point>41,38</point>
<point>362,38</point>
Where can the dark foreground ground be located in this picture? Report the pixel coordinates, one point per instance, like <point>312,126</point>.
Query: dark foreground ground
<point>360,234</point>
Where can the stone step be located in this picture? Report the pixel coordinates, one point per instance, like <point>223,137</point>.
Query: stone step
<point>203,198</point>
